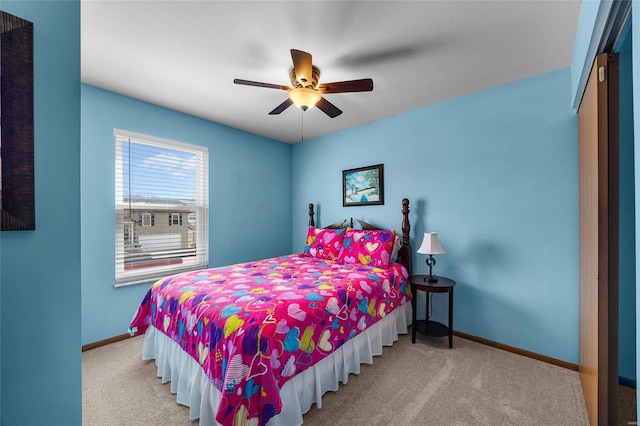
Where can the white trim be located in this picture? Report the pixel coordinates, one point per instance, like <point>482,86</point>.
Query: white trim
<point>145,223</point>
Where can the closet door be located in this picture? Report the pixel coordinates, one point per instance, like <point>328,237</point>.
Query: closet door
<point>598,179</point>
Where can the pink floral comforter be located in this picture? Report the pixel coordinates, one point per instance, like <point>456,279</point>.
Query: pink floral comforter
<point>252,326</point>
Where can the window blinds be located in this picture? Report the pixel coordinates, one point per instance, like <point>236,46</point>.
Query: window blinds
<point>162,207</point>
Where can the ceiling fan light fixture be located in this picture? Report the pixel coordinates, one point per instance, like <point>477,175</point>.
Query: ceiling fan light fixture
<point>304,97</point>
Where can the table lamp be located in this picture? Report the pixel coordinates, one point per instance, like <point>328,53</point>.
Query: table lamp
<point>430,245</point>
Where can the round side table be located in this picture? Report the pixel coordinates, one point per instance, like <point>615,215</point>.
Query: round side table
<point>432,328</point>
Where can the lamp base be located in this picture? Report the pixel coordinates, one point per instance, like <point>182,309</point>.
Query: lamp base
<point>431,263</point>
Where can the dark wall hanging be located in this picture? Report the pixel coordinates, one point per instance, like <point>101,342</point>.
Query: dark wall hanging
<point>363,186</point>
<point>17,200</point>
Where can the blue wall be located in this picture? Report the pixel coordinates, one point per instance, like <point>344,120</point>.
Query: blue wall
<point>40,276</point>
<point>249,198</point>
<point>496,175</point>
<point>627,255</point>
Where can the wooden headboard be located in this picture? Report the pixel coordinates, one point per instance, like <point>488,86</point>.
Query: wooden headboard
<point>337,225</point>
<point>405,250</point>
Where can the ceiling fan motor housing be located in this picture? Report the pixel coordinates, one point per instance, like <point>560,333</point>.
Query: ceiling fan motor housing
<point>315,78</point>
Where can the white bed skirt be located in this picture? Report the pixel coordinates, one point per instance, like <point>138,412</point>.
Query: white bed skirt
<point>194,389</point>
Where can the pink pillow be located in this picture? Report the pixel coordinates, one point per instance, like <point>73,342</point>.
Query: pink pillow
<point>324,243</point>
<point>371,248</point>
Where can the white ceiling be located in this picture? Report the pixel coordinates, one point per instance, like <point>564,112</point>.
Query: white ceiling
<point>184,55</point>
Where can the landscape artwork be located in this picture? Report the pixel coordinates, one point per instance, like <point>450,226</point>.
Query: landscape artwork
<point>363,186</point>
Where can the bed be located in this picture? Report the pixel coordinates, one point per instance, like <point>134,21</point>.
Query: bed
<point>259,342</point>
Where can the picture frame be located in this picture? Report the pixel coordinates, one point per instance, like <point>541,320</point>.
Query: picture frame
<point>17,182</point>
<point>363,186</point>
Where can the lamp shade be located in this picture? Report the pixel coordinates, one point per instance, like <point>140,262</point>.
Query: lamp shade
<point>430,244</point>
<point>304,98</point>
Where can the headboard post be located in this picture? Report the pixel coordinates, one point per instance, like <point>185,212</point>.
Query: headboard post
<point>406,226</point>
<point>405,250</point>
<point>311,221</point>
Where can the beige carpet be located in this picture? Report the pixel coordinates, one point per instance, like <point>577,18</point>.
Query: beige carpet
<point>627,406</point>
<point>422,384</point>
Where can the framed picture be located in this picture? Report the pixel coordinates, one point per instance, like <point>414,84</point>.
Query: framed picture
<point>363,186</point>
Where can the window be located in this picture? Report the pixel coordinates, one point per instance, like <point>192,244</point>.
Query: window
<point>175,219</point>
<point>129,233</point>
<point>147,219</point>
<point>152,239</point>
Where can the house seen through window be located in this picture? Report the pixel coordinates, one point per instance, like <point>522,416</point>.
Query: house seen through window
<point>161,224</point>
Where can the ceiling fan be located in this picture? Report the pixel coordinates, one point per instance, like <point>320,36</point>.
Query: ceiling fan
<point>306,92</point>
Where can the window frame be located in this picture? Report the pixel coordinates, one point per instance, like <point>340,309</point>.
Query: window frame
<point>129,233</point>
<point>144,223</point>
<point>177,221</point>
<point>201,207</point>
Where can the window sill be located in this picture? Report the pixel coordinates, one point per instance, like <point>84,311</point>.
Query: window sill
<point>151,276</point>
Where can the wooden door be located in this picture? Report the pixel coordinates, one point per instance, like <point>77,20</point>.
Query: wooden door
<point>598,179</point>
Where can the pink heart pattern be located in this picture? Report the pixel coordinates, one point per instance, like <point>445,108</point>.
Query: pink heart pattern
<point>295,312</point>
<point>372,248</point>
<point>324,243</point>
<point>244,323</point>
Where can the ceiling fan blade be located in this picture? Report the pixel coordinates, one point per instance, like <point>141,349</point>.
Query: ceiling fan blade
<point>286,104</point>
<point>302,66</point>
<point>259,84</point>
<point>328,108</point>
<point>363,85</point>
